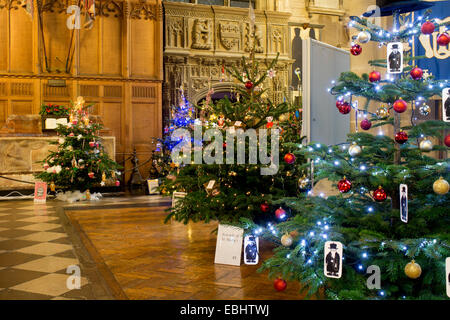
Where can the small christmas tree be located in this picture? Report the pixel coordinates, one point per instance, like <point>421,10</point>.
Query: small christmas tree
<point>379,179</point>
<point>80,161</point>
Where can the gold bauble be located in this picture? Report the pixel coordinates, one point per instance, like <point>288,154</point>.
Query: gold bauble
<point>284,117</point>
<point>426,145</point>
<point>441,186</point>
<point>286,240</point>
<point>88,195</point>
<point>382,112</point>
<point>354,150</point>
<point>303,182</point>
<point>264,95</point>
<point>52,186</point>
<point>294,234</point>
<point>213,117</point>
<point>413,270</point>
<point>103,177</point>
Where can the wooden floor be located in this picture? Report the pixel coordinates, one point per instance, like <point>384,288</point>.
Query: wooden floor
<point>140,257</point>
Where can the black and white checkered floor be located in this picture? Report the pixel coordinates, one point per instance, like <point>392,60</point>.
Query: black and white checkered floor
<point>35,250</point>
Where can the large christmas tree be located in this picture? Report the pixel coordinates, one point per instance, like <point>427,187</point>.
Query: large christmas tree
<point>80,161</point>
<point>406,238</point>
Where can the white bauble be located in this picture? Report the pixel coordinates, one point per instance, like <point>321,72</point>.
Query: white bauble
<point>363,37</point>
<point>354,150</point>
<point>426,145</point>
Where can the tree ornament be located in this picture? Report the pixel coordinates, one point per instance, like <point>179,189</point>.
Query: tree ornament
<point>269,122</point>
<point>400,106</point>
<point>382,112</point>
<point>280,213</point>
<point>363,37</point>
<point>289,158</point>
<point>365,124</point>
<point>413,270</point>
<point>103,177</point>
<point>401,137</point>
<point>356,49</point>
<point>379,194</point>
<point>424,110</point>
<point>264,207</point>
<point>279,284</point>
<point>447,140</point>
<point>46,166</point>
<point>426,145</point>
<point>286,240</point>
<point>354,150</point>
<point>303,182</point>
<point>441,186</point>
<point>91,144</point>
<point>248,85</point>
<point>117,183</point>
<point>52,186</point>
<point>344,185</point>
<point>88,195</point>
<point>374,76</point>
<point>416,73</point>
<point>427,27</point>
<point>443,39</point>
<point>345,108</point>
<point>339,103</point>
<point>91,175</point>
<point>284,117</point>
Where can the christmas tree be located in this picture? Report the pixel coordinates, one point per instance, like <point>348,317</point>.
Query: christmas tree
<point>391,214</point>
<point>80,161</point>
<point>236,192</point>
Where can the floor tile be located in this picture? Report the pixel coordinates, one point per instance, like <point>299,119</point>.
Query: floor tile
<point>14,224</point>
<point>62,240</point>
<point>45,248</point>
<point>47,264</point>
<point>51,284</point>
<point>39,219</point>
<point>43,236</point>
<point>10,277</point>
<point>15,244</point>
<point>8,259</point>
<point>15,233</point>
<point>40,226</point>
<point>9,294</point>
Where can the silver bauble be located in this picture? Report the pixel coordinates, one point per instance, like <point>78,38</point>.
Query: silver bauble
<point>426,145</point>
<point>354,150</point>
<point>286,240</point>
<point>424,110</point>
<point>363,37</point>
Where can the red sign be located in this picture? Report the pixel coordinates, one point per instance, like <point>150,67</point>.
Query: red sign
<point>40,192</point>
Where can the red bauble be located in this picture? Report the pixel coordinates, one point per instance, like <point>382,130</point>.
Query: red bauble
<point>427,27</point>
<point>249,85</point>
<point>91,144</point>
<point>443,39</point>
<point>400,106</point>
<point>344,185</point>
<point>289,158</point>
<point>447,140</point>
<point>379,194</point>
<point>279,284</point>
<point>365,124</point>
<point>356,49</point>
<point>117,183</point>
<point>345,108</point>
<point>91,175</point>
<point>374,76</point>
<point>269,125</point>
<point>401,137</point>
<point>339,103</point>
<point>280,213</point>
<point>416,73</point>
<point>264,207</point>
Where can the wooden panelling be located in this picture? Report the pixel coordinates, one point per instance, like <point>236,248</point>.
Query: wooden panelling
<point>56,91</point>
<point>112,91</point>
<point>57,38</point>
<point>89,90</point>
<point>3,89</point>
<point>112,118</point>
<point>3,111</point>
<point>90,46</point>
<point>21,89</point>
<point>143,49</point>
<point>144,92</point>
<point>144,115</point>
<point>4,40</point>
<point>21,41</point>
<point>112,46</point>
<point>21,107</point>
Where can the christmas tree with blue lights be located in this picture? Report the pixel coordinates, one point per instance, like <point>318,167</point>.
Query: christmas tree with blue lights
<point>391,212</point>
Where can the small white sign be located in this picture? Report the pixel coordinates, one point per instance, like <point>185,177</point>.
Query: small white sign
<point>229,245</point>
<point>50,123</point>
<point>446,104</point>
<point>395,57</point>
<point>251,249</point>
<point>447,275</point>
<point>176,196</point>
<point>62,121</point>
<point>404,203</point>
<point>332,259</point>
<point>210,184</point>
<point>153,184</point>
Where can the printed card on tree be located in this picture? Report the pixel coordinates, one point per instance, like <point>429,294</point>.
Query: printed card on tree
<point>332,259</point>
<point>251,249</point>
<point>395,57</point>
<point>177,196</point>
<point>229,245</point>
<point>40,192</point>
<point>447,275</point>
<point>153,184</point>
<point>446,104</point>
<point>404,203</point>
